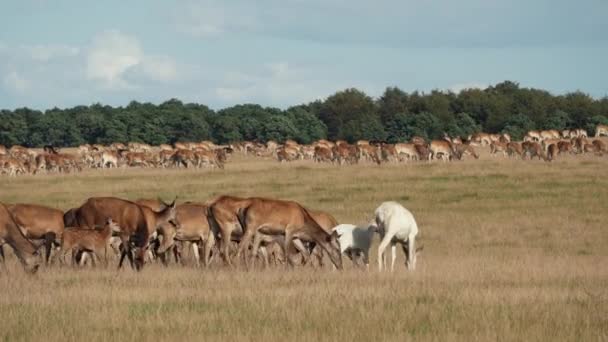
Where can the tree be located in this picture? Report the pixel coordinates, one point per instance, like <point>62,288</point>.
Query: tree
<point>403,127</point>
<point>13,128</point>
<point>309,127</point>
<point>392,102</point>
<point>426,125</point>
<point>559,120</point>
<point>348,114</point>
<point>462,126</point>
<point>518,125</point>
<point>580,106</point>
<point>278,128</point>
<point>90,123</point>
<point>438,103</point>
<point>345,106</point>
<point>397,128</point>
<point>366,127</point>
<point>226,129</point>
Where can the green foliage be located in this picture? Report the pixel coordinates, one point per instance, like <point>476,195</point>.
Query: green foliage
<point>580,106</point>
<point>466,125</point>
<point>278,128</point>
<point>349,114</point>
<point>557,120</point>
<point>226,129</point>
<point>309,128</point>
<point>518,125</point>
<point>345,106</point>
<point>367,127</point>
<point>397,128</point>
<point>13,128</point>
<point>425,125</point>
<point>462,125</point>
<point>403,127</point>
<point>393,101</point>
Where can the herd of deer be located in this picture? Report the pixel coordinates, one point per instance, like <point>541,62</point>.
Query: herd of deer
<point>545,145</point>
<point>20,160</point>
<point>274,230</point>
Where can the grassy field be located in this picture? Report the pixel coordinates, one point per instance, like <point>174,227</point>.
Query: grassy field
<point>513,250</point>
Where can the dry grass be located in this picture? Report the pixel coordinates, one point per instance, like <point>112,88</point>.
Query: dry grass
<point>513,251</point>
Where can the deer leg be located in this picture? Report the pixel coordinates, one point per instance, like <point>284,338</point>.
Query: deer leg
<point>303,251</point>
<point>366,258</point>
<point>257,240</point>
<point>317,251</point>
<point>83,257</point>
<point>410,263</point>
<point>175,253</point>
<point>195,253</point>
<point>381,248</point>
<point>225,245</point>
<point>349,254</point>
<point>49,238</point>
<point>393,255</point>
<point>123,254</point>
<point>287,245</point>
<point>243,249</point>
<point>209,243</point>
<point>62,255</point>
<point>334,254</point>
<point>94,256</point>
<point>106,257</point>
<point>264,253</point>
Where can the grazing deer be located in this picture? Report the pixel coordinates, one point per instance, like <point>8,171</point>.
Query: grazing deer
<point>355,241</point>
<point>137,223</point>
<point>11,234</point>
<point>395,224</point>
<point>40,224</point>
<point>93,241</point>
<point>223,215</point>
<point>288,218</point>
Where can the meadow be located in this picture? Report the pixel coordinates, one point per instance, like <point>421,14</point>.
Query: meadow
<point>513,250</point>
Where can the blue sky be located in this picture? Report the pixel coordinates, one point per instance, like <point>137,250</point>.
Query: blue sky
<point>285,52</point>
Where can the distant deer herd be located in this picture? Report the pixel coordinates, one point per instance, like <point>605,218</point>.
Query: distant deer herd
<point>226,228</point>
<point>546,145</point>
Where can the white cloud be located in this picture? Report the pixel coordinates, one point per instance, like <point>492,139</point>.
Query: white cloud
<point>111,55</point>
<point>114,55</point>
<point>457,88</point>
<point>15,82</point>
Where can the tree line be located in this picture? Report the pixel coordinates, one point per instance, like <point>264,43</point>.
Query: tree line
<point>349,114</point>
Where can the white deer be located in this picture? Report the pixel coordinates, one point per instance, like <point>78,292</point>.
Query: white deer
<point>355,241</point>
<point>395,224</point>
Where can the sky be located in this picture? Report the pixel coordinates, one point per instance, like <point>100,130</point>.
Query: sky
<point>60,53</point>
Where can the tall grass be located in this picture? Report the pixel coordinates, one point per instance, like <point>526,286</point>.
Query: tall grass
<point>513,251</point>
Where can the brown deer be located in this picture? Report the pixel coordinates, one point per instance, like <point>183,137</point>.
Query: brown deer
<point>43,225</point>
<point>84,240</point>
<point>137,223</point>
<point>10,234</point>
<point>288,218</point>
<point>222,213</point>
